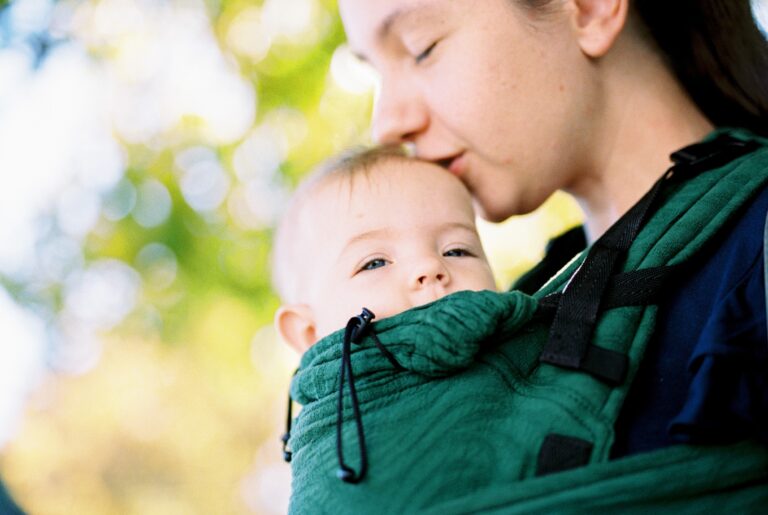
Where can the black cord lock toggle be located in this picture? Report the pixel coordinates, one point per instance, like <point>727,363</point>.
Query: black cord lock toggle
<point>287,454</point>
<point>363,319</point>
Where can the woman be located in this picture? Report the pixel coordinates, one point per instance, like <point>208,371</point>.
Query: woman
<point>519,98</point>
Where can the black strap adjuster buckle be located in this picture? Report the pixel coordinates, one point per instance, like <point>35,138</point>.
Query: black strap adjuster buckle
<point>711,154</point>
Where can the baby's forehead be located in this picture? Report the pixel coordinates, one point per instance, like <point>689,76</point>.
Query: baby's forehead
<point>401,172</point>
<point>341,186</point>
<point>384,185</point>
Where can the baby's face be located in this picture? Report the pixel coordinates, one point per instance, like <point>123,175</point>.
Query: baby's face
<point>401,236</point>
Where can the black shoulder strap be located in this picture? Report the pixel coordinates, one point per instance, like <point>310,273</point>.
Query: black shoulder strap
<point>569,343</point>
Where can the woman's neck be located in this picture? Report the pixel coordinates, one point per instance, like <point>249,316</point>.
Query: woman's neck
<point>649,116</point>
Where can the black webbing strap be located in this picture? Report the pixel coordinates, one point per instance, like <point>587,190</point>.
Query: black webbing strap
<point>578,307</point>
<point>634,288</point>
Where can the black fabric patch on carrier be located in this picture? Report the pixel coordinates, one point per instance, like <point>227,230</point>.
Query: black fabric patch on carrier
<point>561,452</point>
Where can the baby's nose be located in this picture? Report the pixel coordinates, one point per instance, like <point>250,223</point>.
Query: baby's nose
<point>426,278</point>
<point>430,272</point>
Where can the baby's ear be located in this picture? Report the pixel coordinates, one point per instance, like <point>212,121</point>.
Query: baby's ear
<point>295,323</point>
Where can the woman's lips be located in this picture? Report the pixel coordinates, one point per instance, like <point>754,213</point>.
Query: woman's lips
<point>455,164</point>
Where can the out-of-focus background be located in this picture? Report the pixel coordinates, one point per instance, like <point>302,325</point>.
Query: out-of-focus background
<point>146,149</point>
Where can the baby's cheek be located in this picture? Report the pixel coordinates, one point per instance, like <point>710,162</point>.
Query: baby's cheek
<point>331,314</point>
<point>476,277</point>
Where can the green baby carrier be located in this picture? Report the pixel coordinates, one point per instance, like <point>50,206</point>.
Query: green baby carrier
<point>506,402</point>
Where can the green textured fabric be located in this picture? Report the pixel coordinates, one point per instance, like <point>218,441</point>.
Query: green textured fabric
<point>461,428</point>
<point>677,480</point>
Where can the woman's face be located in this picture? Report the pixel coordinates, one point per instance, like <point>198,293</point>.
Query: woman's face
<point>499,96</point>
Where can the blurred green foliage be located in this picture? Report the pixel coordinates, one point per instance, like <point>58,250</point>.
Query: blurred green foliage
<point>181,411</point>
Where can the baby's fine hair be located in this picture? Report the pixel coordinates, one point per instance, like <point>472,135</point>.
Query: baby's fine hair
<point>286,248</point>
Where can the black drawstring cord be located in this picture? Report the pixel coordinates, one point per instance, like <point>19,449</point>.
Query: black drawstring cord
<point>287,453</point>
<point>353,332</point>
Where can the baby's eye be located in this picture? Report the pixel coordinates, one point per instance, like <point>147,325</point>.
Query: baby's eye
<point>458,253</point>
<point>373,264</point>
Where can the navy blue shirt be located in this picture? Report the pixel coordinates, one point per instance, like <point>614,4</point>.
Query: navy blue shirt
<point>704,376</point>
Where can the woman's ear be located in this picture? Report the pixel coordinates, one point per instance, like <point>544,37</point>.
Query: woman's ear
<point>295,323</point>
<point>598,23</point>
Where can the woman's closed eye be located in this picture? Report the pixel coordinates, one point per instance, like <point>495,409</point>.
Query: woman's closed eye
<point>426,53</point>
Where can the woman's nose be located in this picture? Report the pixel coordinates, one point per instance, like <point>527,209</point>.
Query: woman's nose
<point>399,114</point>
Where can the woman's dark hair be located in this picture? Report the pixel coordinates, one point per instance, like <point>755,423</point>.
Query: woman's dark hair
<point>715,49</point>
<point>718,53</point>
